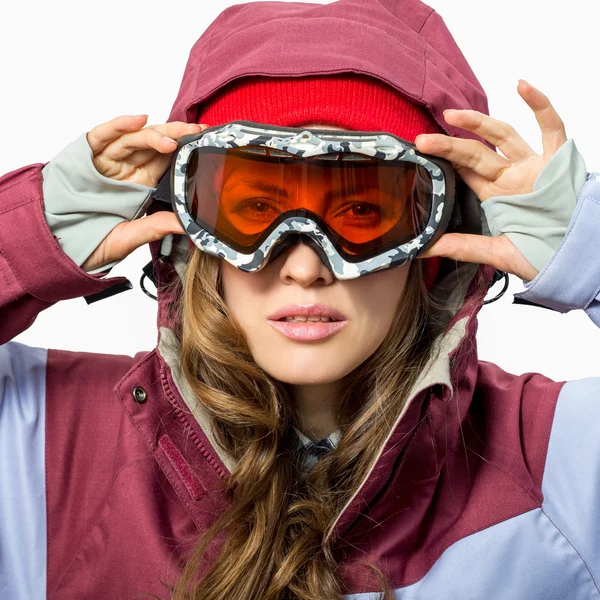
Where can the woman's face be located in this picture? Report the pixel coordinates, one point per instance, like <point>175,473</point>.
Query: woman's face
<point>303,353</point>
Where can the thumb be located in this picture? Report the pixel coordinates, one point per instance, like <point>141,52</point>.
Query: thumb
<point>464,247</point>
<point>130,235</point>
<point>148,229</point>
<point>497,251</point>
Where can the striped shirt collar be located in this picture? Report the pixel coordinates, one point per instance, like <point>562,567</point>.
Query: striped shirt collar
<point>314,450</point>
<point>331,440</point>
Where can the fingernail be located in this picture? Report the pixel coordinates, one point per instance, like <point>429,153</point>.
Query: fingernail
<point>168,139</point>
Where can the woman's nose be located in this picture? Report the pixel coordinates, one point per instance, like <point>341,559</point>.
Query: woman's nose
<point>302,264</point>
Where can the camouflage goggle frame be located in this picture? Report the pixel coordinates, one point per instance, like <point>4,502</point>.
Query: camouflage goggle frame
<point>306,142</point>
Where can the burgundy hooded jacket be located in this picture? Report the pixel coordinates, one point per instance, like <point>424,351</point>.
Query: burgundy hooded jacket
<point>488,485</point>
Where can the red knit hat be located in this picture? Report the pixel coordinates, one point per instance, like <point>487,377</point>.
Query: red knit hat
<point>348,100</point>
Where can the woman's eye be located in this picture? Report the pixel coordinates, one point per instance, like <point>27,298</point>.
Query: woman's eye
<point>259,206</point>
<point>360,209</point>
<point>364,209</point>
<point>255,206</point>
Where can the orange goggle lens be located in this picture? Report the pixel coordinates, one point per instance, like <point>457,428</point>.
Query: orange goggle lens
<point>362,202</point>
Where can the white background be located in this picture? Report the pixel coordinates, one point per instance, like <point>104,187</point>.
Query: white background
<point>66,66</point>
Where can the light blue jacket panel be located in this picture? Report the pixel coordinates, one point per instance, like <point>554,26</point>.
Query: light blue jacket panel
<point>22,472</point>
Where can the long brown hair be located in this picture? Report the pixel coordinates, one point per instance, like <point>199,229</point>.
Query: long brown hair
<point>276,524</point>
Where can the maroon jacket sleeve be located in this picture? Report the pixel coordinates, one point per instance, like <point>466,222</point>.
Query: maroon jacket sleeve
<point>34,271</point>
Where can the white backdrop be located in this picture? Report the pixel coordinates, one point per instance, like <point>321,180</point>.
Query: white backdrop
<point>66,66</point>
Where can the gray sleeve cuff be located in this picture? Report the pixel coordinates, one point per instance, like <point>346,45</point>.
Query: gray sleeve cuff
<point>571,279</point>
<point>82,206</point>
<point>536,222</point>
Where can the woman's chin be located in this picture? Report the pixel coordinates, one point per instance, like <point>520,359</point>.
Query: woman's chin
<point>293,377</point>
<point>307,366</point>
<point>309,363</point>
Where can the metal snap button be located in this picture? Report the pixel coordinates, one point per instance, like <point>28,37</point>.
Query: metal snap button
<point>140,395</point>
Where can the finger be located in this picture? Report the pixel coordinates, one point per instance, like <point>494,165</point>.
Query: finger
<point>156,168</point>
<point>145,167</point>
<point>140,157</point>
<point>177,129</point>
<point>551,125</point>
<point>151,169</point>
<point>100,136</point>
<point>471,154</point>
<point>501,134</point>
<point>476,182</point>
<point>144,139</point>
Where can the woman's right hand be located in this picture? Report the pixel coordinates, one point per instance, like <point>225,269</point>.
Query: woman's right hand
<point>125,150</point>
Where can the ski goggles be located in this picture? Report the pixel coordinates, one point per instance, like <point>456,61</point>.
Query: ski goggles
<point>364,201</point>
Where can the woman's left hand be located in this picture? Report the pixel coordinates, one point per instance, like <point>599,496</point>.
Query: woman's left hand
<point>488,174</point>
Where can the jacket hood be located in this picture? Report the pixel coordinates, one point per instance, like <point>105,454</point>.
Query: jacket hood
<point>406,44</point>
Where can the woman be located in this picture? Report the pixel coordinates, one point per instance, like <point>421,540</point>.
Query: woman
<point>235,461</point>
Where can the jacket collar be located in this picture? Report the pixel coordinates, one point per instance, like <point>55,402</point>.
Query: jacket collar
<point>415,427</point>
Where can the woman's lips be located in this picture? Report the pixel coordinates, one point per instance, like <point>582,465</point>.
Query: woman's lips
<point>307,330</point>
<point>307,310</point>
